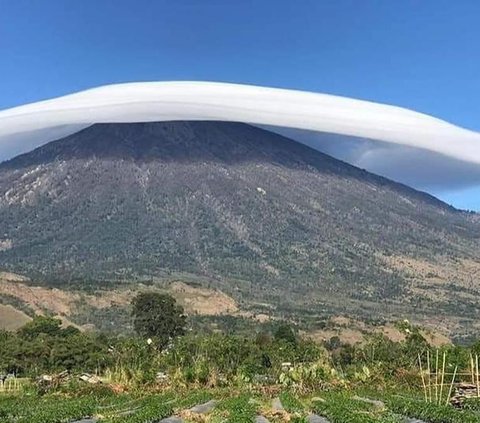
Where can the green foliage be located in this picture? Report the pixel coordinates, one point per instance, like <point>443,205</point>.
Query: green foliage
<point>132,361</point>
<point>240,409</point>
<point>285,332</point>
<point>342,408</point>
<point>219,358</point>
<point>42,346</point>
<point>158,316</point>
<point>41,325</point>
<point>291,403</point>
<point>151,408</point>
<point>306,377</point>
<point>431,412</point>
<point>382,361</point>
<point>228,368</point>
<point>46,410</point>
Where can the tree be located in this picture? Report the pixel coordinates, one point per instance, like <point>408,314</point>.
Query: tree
<point>158,316</point>
<point>42,346</point>
<point>41,325</point>
<point>286,333</point>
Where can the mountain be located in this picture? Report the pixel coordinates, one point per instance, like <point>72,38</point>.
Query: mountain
<point>274,223</point>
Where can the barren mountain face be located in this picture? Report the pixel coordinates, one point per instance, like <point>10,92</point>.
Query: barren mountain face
<point>260,216</point>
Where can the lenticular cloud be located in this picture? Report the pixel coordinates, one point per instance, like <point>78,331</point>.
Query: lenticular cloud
<point>24,127</point>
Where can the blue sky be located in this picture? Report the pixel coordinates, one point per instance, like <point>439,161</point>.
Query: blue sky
<point>422,55</point>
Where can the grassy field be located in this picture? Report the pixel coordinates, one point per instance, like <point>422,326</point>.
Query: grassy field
<point>225,406</point>
<point>12,319</point>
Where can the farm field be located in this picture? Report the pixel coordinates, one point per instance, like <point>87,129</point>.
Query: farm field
<point>215,406</point>
<point>169,373</point>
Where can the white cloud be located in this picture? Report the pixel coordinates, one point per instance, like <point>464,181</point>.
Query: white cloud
<point>393,141</point>
<point>416,167</point>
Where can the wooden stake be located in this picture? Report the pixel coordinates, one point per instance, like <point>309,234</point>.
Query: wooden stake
<point>436,377</point>
<point>451,386</point>
<point>472,369</point>
<point>423,379</point>
<point>476,371</point>
<point>442,375</point>
<point>429,377</point>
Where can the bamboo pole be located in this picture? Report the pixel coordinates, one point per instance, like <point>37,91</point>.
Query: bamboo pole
<point>472,369</point>
<point>476,371</point>
<point>469,374</point>
<point>423,378</point>
<point>451,386</point>
<point>429,377</point>
<point>436,377</point>
<point>442,376</point>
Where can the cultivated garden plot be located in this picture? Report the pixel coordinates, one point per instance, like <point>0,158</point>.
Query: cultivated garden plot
<point>168,374</point>
<point>218,406</point>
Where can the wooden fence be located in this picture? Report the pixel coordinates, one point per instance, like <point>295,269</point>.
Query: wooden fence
<point>439,382</point>
<point>12,385</point>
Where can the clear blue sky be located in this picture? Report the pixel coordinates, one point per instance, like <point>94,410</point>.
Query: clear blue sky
<point>424,55</point>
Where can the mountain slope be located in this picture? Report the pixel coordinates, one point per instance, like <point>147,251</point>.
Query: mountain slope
<point>237,207</point>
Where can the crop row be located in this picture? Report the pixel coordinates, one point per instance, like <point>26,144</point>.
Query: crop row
<point>337,407</point>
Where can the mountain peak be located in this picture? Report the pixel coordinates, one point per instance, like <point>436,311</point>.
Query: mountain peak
<point>197,142</point>
<point>175,140</point>
<point>239,207</point>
